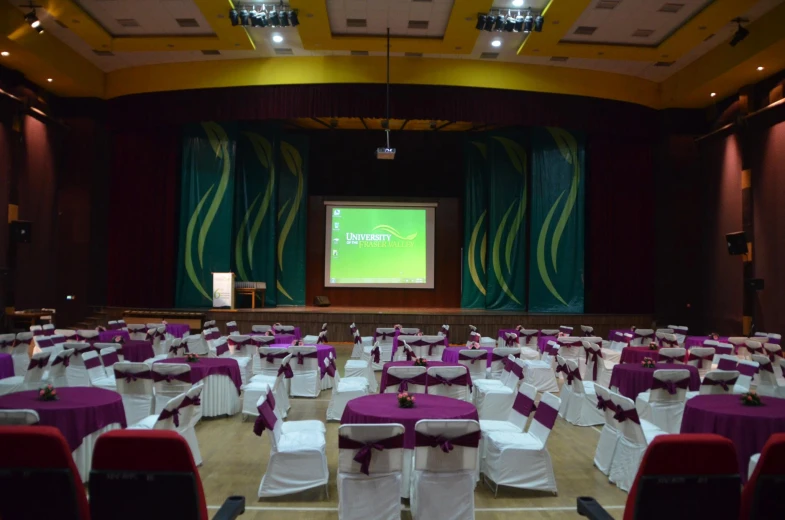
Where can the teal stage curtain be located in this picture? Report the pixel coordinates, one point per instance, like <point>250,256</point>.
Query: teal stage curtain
<point>292,219</point>
<point>475,224</point>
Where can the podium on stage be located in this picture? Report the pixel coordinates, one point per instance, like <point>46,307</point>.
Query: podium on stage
<point>223,290</point>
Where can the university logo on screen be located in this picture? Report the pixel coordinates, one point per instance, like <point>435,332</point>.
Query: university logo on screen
<point>381,240</point>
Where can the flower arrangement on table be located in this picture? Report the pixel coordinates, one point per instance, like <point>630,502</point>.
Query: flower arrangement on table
<point>647,362</point>
<point>519,328</point>
<point>420,362</point>
<point>298,343</point>
<point>751,398</point>
<point>276,324</point>
<point>418,334</point>
<point>118,339</point>
<point>100,329</point>
<point>633,328</point>
<point>269,333</point>
<point>48,393</point>
<point>191,357</point>
<point>562,335</point>
<point>397,326</point>
<point>653,346</point>
<point>473,345</point>
<point>714,336</point>
<point>405,400</point>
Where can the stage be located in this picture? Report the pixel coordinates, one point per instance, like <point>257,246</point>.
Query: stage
<point>338,319</point>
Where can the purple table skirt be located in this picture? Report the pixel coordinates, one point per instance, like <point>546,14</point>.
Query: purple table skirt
<point>697,341</point>
<point>450,354</point>
<point>322,351</point>
<point>383,383</point>
<point>79,412</point>
<point>446,343</point>
<point>542,342</point>
<point>632,379</point>
<point>178,330</point>
<point>384,409</point>
<point>6,366</point>
<point>107,336</point>
<point>137,351</point>
<point>635,355</point>
<point>749,427</point>
<point>211,367</point>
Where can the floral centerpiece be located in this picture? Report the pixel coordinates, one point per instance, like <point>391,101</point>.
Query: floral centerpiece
<point>118,339</point>
<point>647,362</point>
<point>562,335</point>
<point>405,400</point>
<point>474,345</point>
<point>633,328</point>
<point>48,393</point>
<point>191,357</point>
<point>397,326</point>
<point>653,346</point>
<point>269,333</point>
<point>420,362</point>
<point>714,336</point>
<point>298,343</point>
<point>751,398</point>
<point>100,329</point>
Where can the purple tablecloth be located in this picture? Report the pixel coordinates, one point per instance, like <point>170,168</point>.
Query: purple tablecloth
<point>6,366</point>
<point>79,412</point>
<point>697,341</point>
<point>632,379</point>
<point>749,427</point>
<point>178,330</point>
<point>446,343</point>
<point>635,355</point>
<point>384,409</point>
<point>282,339</point>
<point>450,354</point>
<point>211,367</point>
<point>322,351</point>
<point>107,336</point>
<point>542,342</point>
<point>137,351</point>
<point>383,383</point>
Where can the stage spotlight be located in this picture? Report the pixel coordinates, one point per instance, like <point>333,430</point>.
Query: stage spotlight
<point>284,17</point>
<point>234,17</point>
<point>740,33</point>
<point>32,19</point>
<point>244,16</point>
<point>538,23</point>
<point>480,22</point>
<point>528,23</point>
<point>499,24</point>
<point>293,18</point>
<point>273,19</point>
<point>256,21</point>
<point>262,19</point>
<point>518,24</point>
<point>509,24</point>
<point>489,20</point>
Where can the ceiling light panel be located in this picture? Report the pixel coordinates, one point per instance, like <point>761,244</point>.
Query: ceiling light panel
<point>405,18</point>
<point>152,17</point>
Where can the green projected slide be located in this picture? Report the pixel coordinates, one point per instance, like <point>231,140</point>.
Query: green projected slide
<point>377,246</point>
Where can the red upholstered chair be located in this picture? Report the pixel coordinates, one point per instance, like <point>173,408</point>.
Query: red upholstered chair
<point>681,476</point>
<point>149,474</point>
<point>38,477</point>
<point>762,496</point>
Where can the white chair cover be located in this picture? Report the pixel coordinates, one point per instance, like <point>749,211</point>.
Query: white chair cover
<point>58,364</point>
<point>452,382</point>
<point>521,409</point>
<point>135,384</point>
<point>701,358</point>
<point>495,402</point>
<point>32,378</point>
<point>767,380</point>
<point>18,417</point>
<point>179,375</point>
<point>475,360</point>
<point>661,407</point>
<point>405,373</point>
<point>581,410</point>
<point>718,382</point>
<point>258,386</point>
<point>307,375</point>
<point>96,373</point>
<point>190,414</point>
<point>168,419</point>
<point>344,390</point>
<point>609,436</point>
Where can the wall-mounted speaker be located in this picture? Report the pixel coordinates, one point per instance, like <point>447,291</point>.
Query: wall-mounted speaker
<point>321,301</point>
<point>21,231</point>
<point>737,243</point>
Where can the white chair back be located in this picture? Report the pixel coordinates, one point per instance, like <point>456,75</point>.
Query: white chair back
<point>475,360</point>
<point>747,370</point>
<point>497,359</point>
<point>196,344</point>
<point>18,418</point>
<point>626,417</point>
<point>283,329</point>
<point>545,417</point>
<point>68,334</point>
<point>523,405</point>
<point>680,331</point>
<point>577,382</point>
<point>719,382</point>
<point>171,410</point>
<point>754,347</point>
<point>170,380</point>
<point>209,324</point>
<point>672,355</point>
<point>405,373</point>
<point>238,344</point>
<point>7,343</point>
<point>450,382</point>
<point>92,363</point>
<point>108,358</point>
<point>385,461</point>
<point>642,337</point>
<point>608,408</point>
<point>668,340</point>
<point>385,335</point>
<point>566,329</point>
<point>676,381</point>
<point>137,331</point>
<point>76,371</point>
<point>772,350</point>
<point>261,328</point>
<point>702,358</point>
<point>595,366</point>
<point>191,407</point>
<point>133,378</point>
<point>463,455</point>
<point>309,359</point>
<point>36,369</point>
<point>549,332</point>
<point>587,331</point>
<point>528,337</point>
<point>21,352</point>
<point>270,359</point>
<point>767,380</point>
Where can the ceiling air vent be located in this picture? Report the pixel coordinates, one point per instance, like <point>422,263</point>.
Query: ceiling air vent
<point>356,23</point>
<point>103,53</point>
<point>187,22</point>
<point>418,24</point>
<point>559,58</point>
<point>127,22</point>
<point>359,53</point>
<point>61,24</point>
<point>585,30</point>
<point>413,54</point>
<point>489,55</point>
<point>663,64</point>
<point>643,33</point>
<point>670,8</point>
<point>211,52</point>
<point>607,4</point>
<point>284,51</point>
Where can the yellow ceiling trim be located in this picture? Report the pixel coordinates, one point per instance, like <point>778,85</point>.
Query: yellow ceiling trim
<point>459,36</point>
<point>42,56</point>
<point>412,71</point>
<point>548,42</point>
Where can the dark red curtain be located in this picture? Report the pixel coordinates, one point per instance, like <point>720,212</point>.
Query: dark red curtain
<point>142,217</point>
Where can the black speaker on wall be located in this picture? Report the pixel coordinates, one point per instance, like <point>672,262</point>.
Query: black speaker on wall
<point>321,301</point>
<point>737,243</point>
<point>21,231</point>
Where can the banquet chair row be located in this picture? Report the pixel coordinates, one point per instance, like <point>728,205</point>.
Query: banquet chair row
<point>276,373</point>
<point>494,397</point>
<point>344,390</point>
<point>448,381</point>
<point>136,474</point>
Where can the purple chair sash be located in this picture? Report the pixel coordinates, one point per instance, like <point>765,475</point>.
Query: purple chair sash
<point>746,370</point>
<point>328,370</point>
<point>212,336</point>
<point>231,329</point>
<point>174,414</point>
<point>130,376</point>
<point>639,335</point>
<point>113,326</point>
<point>563,369</point>
<point>409,354</point>
<point>498,357</point>
<point>301,357</point>
<point>376,355</point>
<point>603,404</point>
<point>44,342</point>
<point>266,419</point>
<point>523,404</point>
<point>271,357</point>
<point>726,364</point>
<point>270,399</point>
<point>321,339</point>
<point>670,386</point>
<point>572,375</point>
<point>623,415</point>
<point>546,415</point>
<point>286,370</point>
<point>510,339</point>
<point>672,342</point>
<point>768,367</point>
<point>694,357</point>
<point>92,363</point>
<point>220,350</point>
<point>773,356</point>
<point>365,449</point>
<point>664,358</point>
<point>724,384</point>
<point>59,340</point>
<point>358,340</point>
<point>517,370</point>
<point>596,356</point>
<point>470,440</point>
<point>109,359</point>
<point>188,401</point>
<point>445,332</point>
<point>403,383</point>
<point>185,377</point>
<point>38,363</point>
<point>529,336</point>
<point>461,380</point>
<point>65,360</point>
<point>244,342</point>
<point>464,357</point>
<point>384,335</point>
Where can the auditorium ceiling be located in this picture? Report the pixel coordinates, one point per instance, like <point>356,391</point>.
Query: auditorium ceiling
<point>658,53</point>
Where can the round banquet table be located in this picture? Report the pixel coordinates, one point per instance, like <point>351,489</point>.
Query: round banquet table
<point>137,351</point>
<point>697,341</point>
<point>6,366</point>
<point>635,355</point>
<point>178,330</point>
<point>749,427</point>
<point>633,379</point>
<point>322,352</point>
<point>81,414</point>
<point>450,354</point>
<point>218,396</point>
<point>384,409</point>
<point>429,364</point>
<point>108,336</point>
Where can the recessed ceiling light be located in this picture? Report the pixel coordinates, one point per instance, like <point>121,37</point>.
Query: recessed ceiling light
<point>713,94</point>
<point>760,68</point>
<point>496,43</point>
<point>517,3</point>
<point>5,53</point>
<point>277,38</point>
<point>49,80</point>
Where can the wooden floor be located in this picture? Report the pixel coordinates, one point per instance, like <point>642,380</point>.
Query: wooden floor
<point>234,460</point>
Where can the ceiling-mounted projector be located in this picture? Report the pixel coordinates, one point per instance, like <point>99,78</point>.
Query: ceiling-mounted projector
<point>385,153</point>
